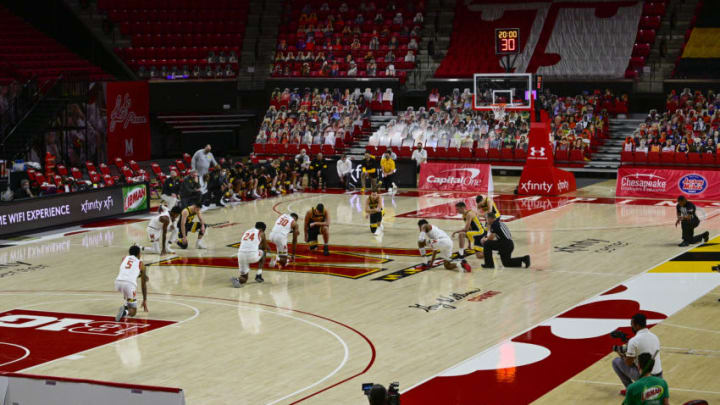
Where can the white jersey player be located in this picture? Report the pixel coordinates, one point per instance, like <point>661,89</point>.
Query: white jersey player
<point>162,231</point>
<point>250,252</point>
<point>441,245</point>
<point>284,225</point>
<point>126,282</point>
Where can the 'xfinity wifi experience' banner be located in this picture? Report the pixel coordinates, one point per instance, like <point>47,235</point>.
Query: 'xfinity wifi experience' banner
<point>23,216</point>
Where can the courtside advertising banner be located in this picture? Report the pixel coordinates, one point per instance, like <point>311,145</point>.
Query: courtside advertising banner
<point>455,177</point>
<point>135,198</point>
<point>128,120</point>
<point>30,215</point>
<point>668,183</point>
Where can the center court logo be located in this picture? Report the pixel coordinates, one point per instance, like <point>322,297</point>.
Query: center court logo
<point>692,184</point>
<point>459,178</point>
<point>644,182</point>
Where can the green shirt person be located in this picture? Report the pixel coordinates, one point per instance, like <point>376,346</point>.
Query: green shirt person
<point>647,390</point>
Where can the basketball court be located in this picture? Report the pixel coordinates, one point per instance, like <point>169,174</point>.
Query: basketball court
<point>313,332</point>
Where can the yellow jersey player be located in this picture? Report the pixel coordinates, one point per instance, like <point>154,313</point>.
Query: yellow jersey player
<point>317,221</point>
<point>374,209</point>
<point>472,232</point>
<point>187,224</point>
<point>485,205</point>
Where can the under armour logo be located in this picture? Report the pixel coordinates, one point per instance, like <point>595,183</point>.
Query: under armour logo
<point>539,152</point>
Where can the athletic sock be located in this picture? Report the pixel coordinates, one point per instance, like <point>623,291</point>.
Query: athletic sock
<point>259,272</point>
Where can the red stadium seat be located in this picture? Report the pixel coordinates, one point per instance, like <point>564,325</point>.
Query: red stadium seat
<point>694,158</point>
<point>520,154</point>
<point>259,148</point>
<point>328,150</point>
<point>76,173</point>
<point>62,170</point>
<point>466,153</point>
<point>480,153</point>
<point>104,169</point>
<point>577,155</point>
<point>667,158</point>
<point>562,155</point>
<point>681,158</point>
<point>493,154</point>
<point>506,154</point>
<point>708,159</point>
<point>293,149</point>
<point>315,149</point>
<point>405,152</point>
<point>650,158</point>
<point>626,157</point>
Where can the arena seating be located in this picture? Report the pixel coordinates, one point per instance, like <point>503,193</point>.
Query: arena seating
<point>685,136</point>
<point>614,40</point>
<point>700,57</point>
<point>574,137</point>
<point>201,40</point>
<point>364,42</point>
<point>26,52</point>
<point>463,59</point>
<point>318,121</point>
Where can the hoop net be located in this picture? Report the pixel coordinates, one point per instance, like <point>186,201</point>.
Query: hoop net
<point>498,111</point>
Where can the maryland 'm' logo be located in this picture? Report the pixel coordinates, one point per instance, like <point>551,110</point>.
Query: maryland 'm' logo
<point>344,261</point>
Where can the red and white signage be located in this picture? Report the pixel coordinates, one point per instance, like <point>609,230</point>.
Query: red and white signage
<point>668,183</point>
<point>29,338</point>
<point>455,177</point>
<point>128,105</point>
<point>540,176</point>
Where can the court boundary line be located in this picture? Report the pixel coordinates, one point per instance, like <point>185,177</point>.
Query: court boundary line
<point>502,341</point>
<point>373,352</point>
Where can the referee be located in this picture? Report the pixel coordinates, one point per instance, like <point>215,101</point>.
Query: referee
<point>687,216</point>
<point>500,239</point>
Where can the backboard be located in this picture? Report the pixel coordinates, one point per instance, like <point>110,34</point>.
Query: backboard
<point>512,89</point>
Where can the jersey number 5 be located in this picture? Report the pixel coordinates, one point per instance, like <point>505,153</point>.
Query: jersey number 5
<point>129,264</point>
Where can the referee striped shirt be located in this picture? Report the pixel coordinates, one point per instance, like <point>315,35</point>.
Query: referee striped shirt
<point>500,230</point>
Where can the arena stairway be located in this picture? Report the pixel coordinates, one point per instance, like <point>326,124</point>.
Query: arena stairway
<point>608,155</point>
<point>356,151</point>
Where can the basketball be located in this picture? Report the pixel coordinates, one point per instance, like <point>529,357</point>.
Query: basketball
<point>283,260</point>
<point>183,245</point>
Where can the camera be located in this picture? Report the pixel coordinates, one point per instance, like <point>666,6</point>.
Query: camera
<point>392,396</point>
<point>618,334</point>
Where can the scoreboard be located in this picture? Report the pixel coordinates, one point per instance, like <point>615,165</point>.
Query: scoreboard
<point>507,41</point>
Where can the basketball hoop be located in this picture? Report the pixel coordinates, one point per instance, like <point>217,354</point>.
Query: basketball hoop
<point>499,111</point>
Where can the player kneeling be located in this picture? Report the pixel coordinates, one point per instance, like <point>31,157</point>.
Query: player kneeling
<point>375,210</point>
<point>249,253</point>
<point>441,244</point>
<point>161,231</point>
<point>126,282</point>
<point>284,225</point>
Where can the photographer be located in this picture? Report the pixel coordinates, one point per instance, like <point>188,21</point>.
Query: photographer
<point>648,389</point>
<point>687,216</point>
<point>644,341</point>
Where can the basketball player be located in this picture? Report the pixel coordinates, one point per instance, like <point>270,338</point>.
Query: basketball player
<point>187,224</point>
<point>441,244</point>
<point>485,205</point>
<point>375,210</point>
<point>249,252</point>
<point>317,221</point>
<point>284,225</point>
<point>473,231</point>
<point>159,228</point>
<point>126,282</point>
